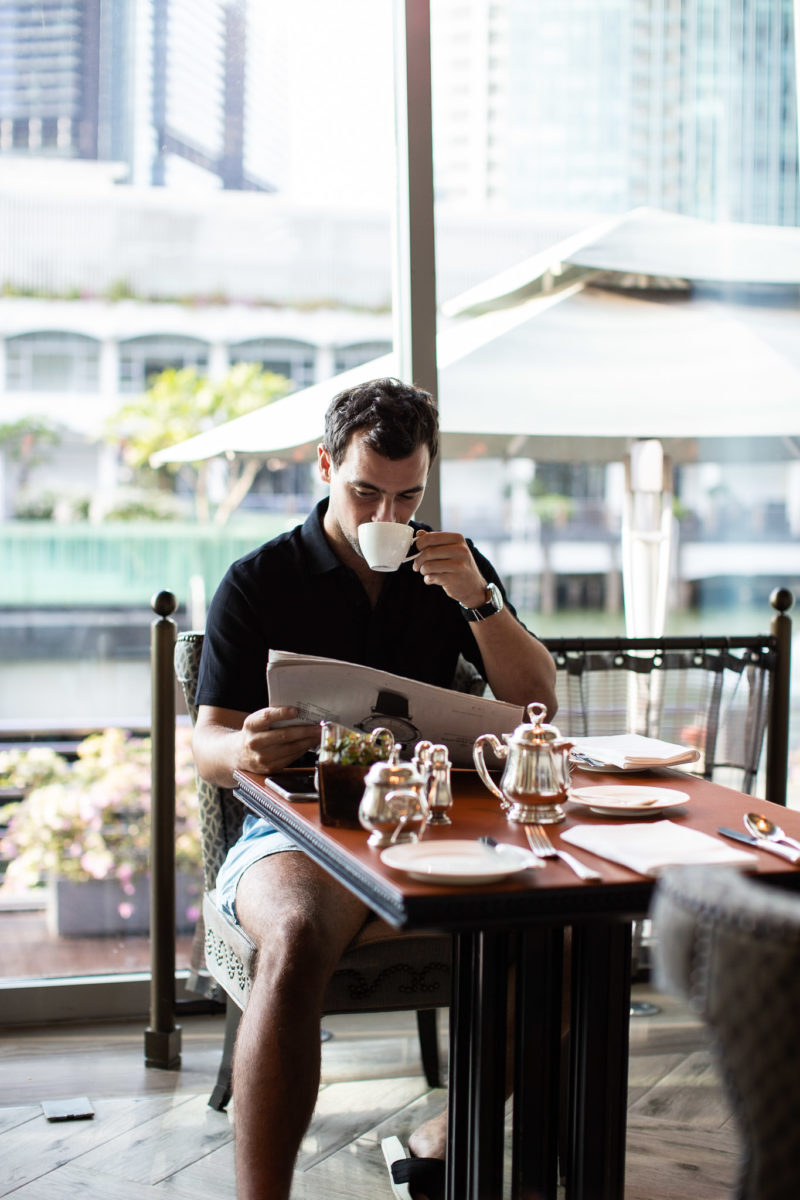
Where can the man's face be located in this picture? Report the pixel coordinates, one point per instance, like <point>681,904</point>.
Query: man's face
<point>368,487</point>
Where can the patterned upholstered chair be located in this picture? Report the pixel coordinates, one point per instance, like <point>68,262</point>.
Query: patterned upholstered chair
<point>730,946</point>
<point>382,970</point>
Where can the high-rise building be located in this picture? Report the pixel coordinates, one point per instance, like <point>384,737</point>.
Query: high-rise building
<point>163,86</point>
<point>49,54</point>
<point>603,105</point>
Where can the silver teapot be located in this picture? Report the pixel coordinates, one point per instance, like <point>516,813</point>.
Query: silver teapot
<point>394,806</point>
<point>535,780</point>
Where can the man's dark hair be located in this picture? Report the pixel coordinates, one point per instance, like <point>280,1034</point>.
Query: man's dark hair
<point>395,418</point>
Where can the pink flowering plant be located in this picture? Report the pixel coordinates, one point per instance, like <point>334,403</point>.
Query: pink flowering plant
<point>90,819</point>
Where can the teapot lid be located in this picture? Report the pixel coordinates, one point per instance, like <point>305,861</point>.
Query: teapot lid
<point>537,733</point>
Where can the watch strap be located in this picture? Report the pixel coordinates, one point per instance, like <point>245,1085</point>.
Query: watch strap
<point>493,604</point>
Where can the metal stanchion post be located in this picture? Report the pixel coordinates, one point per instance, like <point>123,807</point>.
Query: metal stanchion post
<point>778,726</point>
<point>162,1039</point>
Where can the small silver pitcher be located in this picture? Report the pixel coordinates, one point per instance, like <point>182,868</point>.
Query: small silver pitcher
<point>393,806</point>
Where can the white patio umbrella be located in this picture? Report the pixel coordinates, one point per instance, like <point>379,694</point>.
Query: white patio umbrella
<point>576,376</point>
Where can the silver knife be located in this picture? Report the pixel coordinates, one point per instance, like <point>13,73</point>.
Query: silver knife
<point>792,856</point>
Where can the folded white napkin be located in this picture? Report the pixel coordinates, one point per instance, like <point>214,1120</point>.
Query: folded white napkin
<point>650,848</point>
<point>631,750</point>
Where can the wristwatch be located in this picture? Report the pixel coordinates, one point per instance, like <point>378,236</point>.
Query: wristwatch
<point>493,604</point>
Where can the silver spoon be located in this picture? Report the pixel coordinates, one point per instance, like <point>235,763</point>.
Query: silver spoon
<point>762,827</point>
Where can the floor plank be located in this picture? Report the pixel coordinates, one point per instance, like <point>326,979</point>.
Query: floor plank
<point>154,1138</point>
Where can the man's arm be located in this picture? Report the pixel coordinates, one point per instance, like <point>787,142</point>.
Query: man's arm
<point>519,669</point>
<point>225,740</point>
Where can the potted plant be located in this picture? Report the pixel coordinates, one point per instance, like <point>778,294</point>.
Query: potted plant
<point>345,756</point>
<point>82,833</point>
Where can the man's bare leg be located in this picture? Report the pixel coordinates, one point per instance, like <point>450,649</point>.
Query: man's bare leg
<point>301,921</point>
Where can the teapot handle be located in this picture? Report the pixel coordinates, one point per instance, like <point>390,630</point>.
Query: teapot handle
<point>500,750</point>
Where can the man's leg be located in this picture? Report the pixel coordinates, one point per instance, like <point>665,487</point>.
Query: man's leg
<point>301,921</point>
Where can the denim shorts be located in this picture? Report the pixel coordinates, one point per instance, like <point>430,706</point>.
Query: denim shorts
<point>258,840</point>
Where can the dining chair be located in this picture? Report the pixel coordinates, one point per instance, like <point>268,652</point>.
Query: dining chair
<point>382,969</point>
<point>718,694</point>
<point>721,695</point>
<point>730,947</point>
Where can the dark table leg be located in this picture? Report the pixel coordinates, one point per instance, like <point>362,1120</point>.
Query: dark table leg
<point>477,1066</point>
<point>537,1052</point>
<point>601,991</point>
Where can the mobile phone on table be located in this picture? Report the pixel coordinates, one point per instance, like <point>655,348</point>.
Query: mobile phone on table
<point>295,785</point>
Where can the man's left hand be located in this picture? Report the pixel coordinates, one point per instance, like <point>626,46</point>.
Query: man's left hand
<point>445,559</point>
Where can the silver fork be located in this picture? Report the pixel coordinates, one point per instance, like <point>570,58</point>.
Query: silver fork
<point>542,847</point>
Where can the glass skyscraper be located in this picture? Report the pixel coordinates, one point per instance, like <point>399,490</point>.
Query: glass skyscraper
<point>603,105</point>
<point>159,85</point>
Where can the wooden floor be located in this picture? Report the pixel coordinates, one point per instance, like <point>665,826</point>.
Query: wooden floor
<point>153,1134</point>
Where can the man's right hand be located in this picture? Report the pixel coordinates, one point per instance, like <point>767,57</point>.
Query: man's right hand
<point>266,749</point>
<point>226,740</point>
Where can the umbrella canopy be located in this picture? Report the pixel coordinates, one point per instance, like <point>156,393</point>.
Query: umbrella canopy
<point>590,365</point>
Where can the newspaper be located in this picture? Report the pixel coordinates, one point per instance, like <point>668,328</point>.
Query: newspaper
<point>325,689</point>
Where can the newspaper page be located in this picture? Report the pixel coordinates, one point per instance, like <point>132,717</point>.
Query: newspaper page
<point>325,689</point>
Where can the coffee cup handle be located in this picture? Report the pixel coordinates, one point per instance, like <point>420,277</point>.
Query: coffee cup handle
<point>410,557</point>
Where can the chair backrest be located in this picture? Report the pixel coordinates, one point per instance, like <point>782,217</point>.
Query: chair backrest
<point>730,946</point>
<point>220,812</point>
<point>717,694</point>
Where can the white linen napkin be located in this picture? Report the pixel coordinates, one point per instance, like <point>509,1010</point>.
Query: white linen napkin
<point>631,750</point>
<point>649,848</point>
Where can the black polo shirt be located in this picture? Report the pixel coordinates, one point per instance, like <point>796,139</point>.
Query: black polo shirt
<point>295,594</point>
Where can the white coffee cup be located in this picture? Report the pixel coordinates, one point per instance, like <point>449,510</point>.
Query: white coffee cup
<point>384,544</point>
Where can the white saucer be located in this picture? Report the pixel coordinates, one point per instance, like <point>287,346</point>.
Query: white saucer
<point>453,861</point>
<point>628,801</point>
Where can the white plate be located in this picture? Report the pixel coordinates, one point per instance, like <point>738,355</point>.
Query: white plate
<point>628,801</point>
<point>454,861</point>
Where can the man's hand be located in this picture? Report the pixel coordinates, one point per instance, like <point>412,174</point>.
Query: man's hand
<point>265,749</point>
<point>445,559</point>
<point>226,740</point>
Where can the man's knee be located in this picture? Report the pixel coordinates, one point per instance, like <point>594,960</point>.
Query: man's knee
<point>300,923</point>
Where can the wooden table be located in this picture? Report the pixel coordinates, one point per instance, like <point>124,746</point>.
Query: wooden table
<point>522,921</point>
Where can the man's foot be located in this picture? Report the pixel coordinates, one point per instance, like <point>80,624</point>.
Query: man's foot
<point>430,1139</point>
<point>413,1178</point>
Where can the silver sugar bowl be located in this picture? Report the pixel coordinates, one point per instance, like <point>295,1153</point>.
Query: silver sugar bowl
<point>393,807</point>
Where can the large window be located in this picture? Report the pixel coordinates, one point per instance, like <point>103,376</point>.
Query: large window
<point>141,359</point>
<point>52,361</point>
<point>194,205</point>
<point>616,185</point>
<point>295,360</point>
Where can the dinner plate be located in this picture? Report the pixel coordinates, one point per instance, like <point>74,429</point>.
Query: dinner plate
<point>628,801</point>
<point>454,861</point>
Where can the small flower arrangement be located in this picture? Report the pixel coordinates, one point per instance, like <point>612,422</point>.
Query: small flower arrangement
<point>90,819</point>
<point>349,748</point>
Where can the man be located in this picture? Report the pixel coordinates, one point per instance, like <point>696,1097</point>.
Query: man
<point>311,591</point>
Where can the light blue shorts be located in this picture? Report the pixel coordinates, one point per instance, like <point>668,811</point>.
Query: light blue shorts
<point>258,840</point>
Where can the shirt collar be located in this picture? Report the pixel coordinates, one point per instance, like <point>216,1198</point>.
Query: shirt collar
<point>319,553</point>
